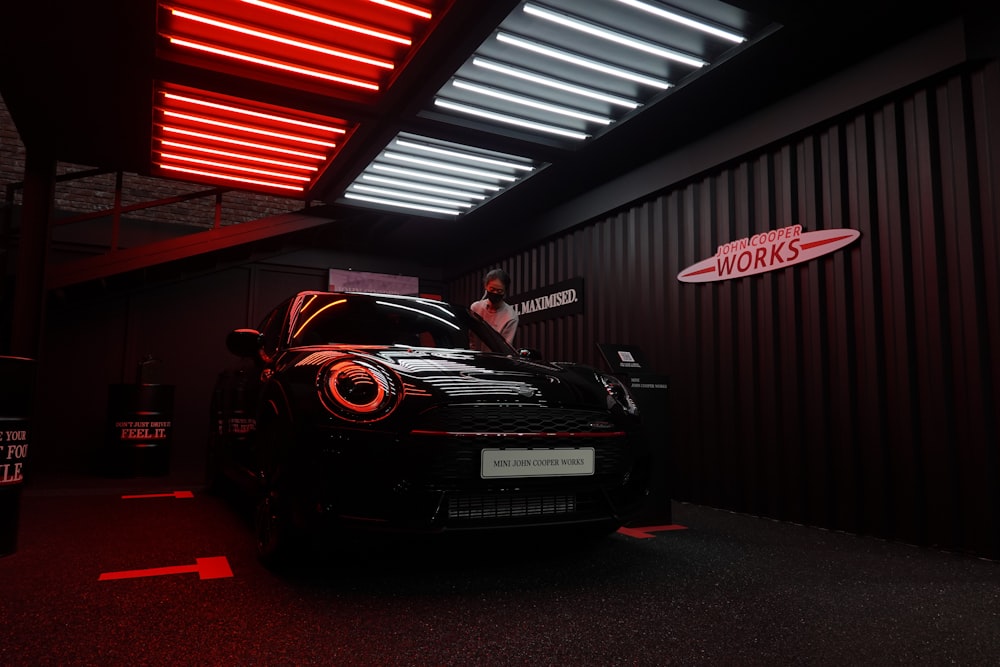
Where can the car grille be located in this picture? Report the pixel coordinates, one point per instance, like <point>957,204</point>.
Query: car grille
<point>447,442</point>
<point>457,459</point>
<point>513,419</point>
<point>495,506</point>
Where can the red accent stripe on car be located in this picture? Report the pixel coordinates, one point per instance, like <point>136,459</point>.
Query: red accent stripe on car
<point>494,434</point>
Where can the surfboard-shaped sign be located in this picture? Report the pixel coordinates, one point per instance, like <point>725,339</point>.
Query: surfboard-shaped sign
<point>767,251</point>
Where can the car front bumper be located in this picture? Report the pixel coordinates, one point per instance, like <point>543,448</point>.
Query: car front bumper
<point>433,483</point>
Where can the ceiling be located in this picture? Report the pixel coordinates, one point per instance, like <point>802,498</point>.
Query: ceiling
<point>481,113</point>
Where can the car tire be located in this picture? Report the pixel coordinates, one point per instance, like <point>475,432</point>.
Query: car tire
<point>273,531</point>
<point>277,537</point>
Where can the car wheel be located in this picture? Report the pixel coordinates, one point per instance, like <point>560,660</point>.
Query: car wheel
<point>277,537</point>
<point>273,530</point>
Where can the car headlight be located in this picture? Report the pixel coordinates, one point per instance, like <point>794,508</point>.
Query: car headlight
<point>618,394</point>
<point>358,390</point>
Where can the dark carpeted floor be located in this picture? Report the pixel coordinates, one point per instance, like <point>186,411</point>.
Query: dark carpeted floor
<point>727,590</point>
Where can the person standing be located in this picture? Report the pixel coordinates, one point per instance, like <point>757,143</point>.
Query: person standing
<point>493,308</point>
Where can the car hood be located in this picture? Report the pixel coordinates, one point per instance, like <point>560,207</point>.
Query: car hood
<point>468,376</point>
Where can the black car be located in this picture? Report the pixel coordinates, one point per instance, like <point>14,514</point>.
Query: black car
<point>392,413</point>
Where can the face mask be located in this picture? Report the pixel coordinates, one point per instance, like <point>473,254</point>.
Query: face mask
<point>494,298</point>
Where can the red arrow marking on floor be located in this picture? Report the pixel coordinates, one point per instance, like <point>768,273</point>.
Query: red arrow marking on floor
<point>175,494</point>
<point>207,568</point>
<point>645,532</point>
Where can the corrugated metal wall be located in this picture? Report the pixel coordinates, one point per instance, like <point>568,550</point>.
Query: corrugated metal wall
<point>857,391</point>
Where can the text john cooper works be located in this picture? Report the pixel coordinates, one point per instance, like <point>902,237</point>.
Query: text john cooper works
<point>767,249</point>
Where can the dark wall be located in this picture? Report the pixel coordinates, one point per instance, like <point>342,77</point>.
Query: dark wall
<point>857,391</point>
<point>93,340</point>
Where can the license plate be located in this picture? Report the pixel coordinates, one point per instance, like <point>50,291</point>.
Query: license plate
<point>498,463</point>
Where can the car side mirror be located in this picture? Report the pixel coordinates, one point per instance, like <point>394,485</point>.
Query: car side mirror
<point>529,353</point>
<point>245,342</point>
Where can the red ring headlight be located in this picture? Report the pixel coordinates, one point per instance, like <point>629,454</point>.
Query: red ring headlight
<point>358,390</point>
<point>618,393</point>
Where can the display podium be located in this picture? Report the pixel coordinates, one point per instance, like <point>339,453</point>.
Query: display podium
<point>650,391</point>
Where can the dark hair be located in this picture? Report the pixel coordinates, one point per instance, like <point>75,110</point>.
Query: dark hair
<point>500,275</point>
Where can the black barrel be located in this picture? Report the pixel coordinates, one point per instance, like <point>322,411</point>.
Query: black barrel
<point>17,391</point>
<point>140,429</point>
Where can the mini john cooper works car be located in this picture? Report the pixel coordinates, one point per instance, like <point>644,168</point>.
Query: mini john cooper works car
<point>392,413</point>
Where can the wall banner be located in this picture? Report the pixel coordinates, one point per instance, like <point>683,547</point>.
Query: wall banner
<point>767,251</point>
<point>362,281</point>
<point>565,298</point>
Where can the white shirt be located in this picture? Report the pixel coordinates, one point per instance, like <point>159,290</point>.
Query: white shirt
<point>503,318</point>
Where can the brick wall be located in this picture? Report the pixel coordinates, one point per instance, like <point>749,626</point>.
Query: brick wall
<point>96,193</point>
<point>11,150</point>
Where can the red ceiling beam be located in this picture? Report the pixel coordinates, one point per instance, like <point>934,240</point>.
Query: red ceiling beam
<point>190,245</point>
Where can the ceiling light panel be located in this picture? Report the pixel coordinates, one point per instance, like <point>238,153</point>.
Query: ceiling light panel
<point>351,46</point>
<point>564,71</point>
<point>209,138</point>
<point>431,177</point>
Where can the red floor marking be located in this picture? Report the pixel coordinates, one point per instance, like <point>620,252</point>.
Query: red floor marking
<point>645,532</point>
<point>207,568</point>
<point>175,494</point>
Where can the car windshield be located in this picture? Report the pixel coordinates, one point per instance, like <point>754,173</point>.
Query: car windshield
<point>366,319</point>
